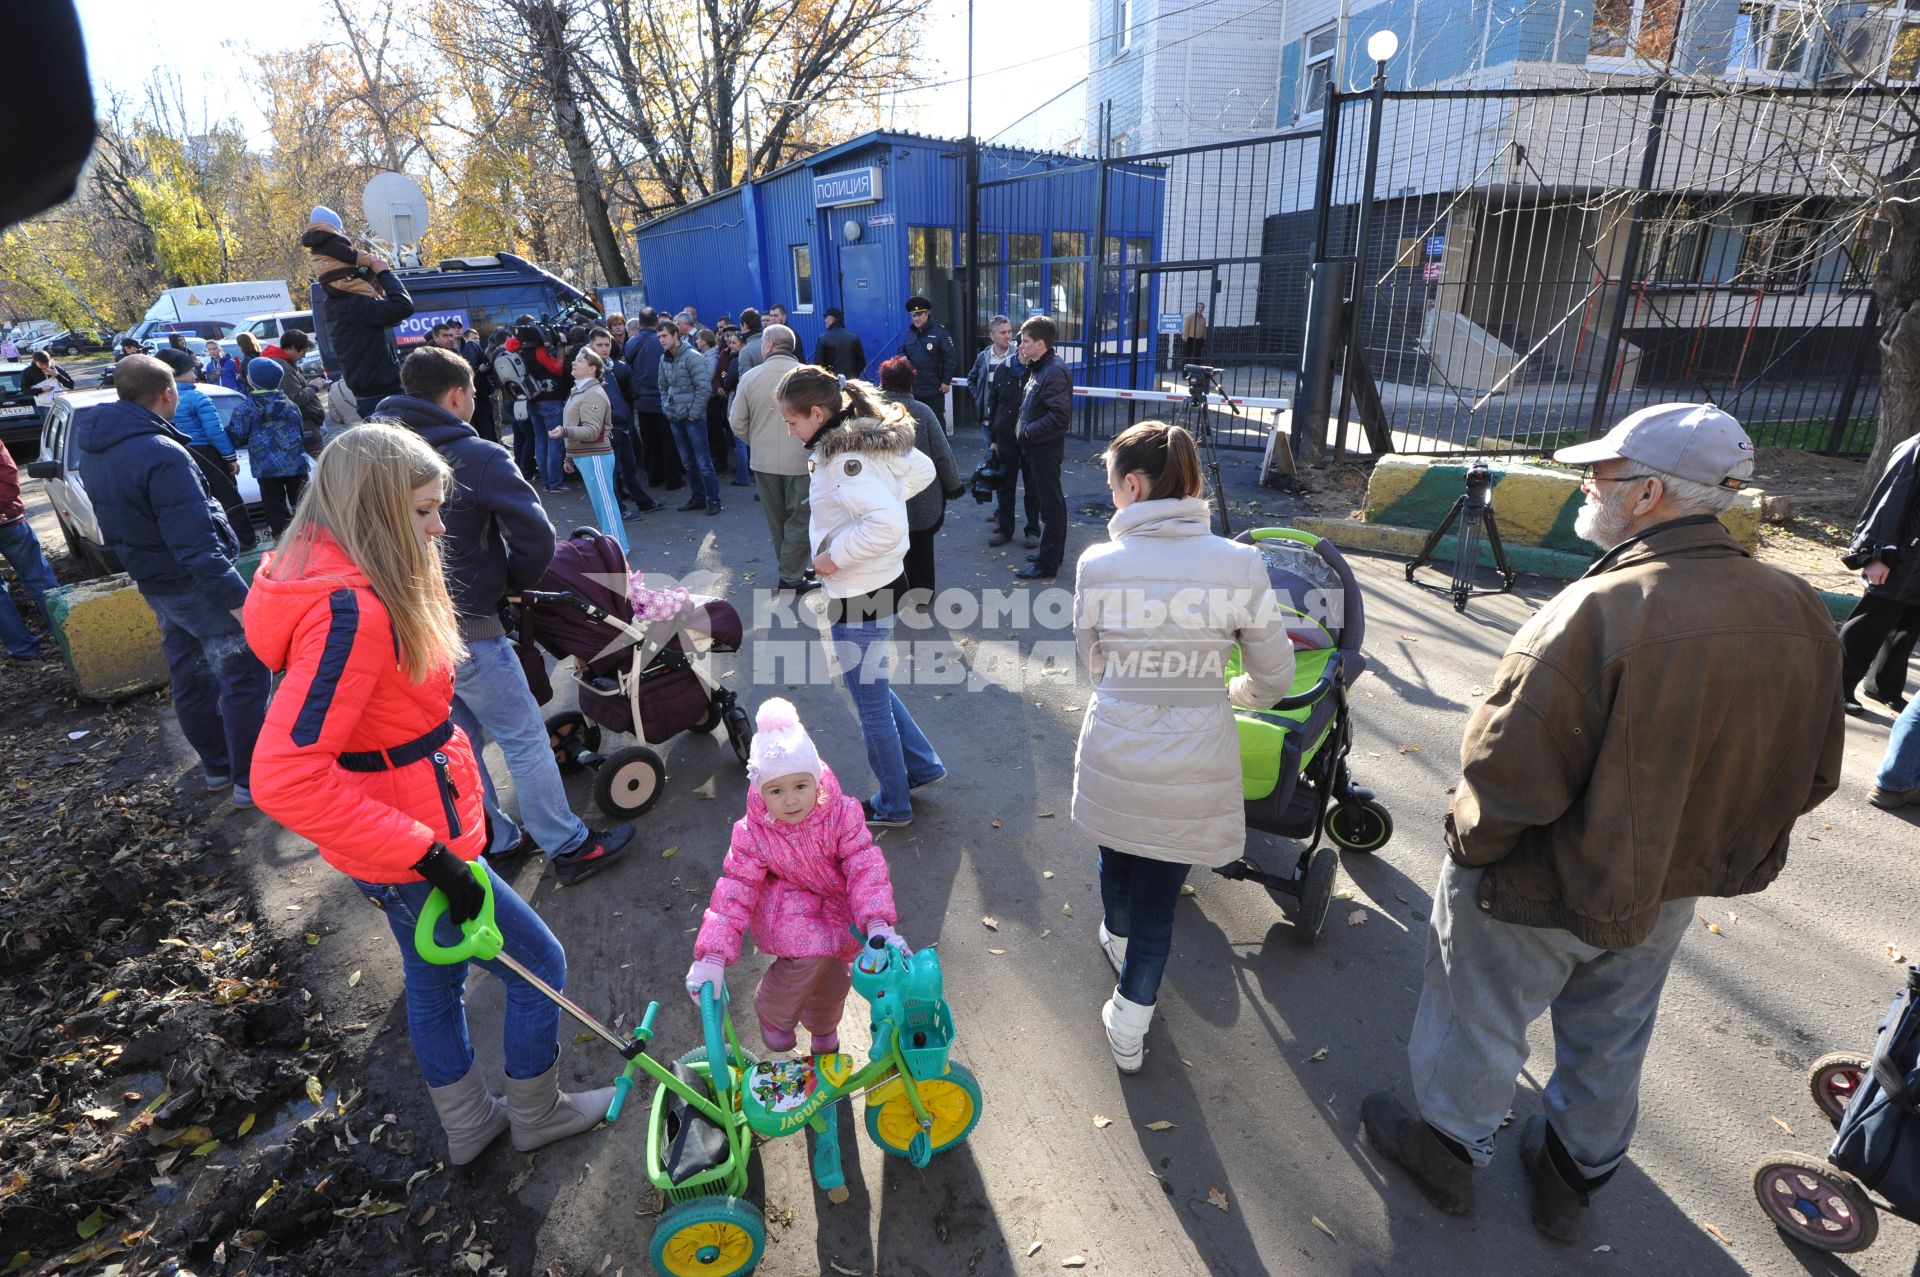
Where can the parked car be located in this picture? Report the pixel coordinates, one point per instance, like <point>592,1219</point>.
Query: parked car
<point>269,329</point>
<point>153,333</point>
<point>59,466</point>
<point>20,417</point>
<point>81,341</point>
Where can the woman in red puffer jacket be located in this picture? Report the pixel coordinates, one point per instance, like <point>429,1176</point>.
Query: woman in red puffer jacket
<point>358,755</point>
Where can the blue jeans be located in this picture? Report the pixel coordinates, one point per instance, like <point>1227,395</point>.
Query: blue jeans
<point>596,474</point>
<point>526,445</point>
<point>491,700</point>
<point>551,453</point>
<point>436,995</point>
<point>1900,769</point>
<point>1138,895</point>
<point>742,462</point>
<point>22,550</point>
<point>628,479</point>
<point>219,690</point>
<point>690,441</point>
<point>897,750</point>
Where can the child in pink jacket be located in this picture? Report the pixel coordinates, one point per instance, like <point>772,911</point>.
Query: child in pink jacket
<point>802,869</point>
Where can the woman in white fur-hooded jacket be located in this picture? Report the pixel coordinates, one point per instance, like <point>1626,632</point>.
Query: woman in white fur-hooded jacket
<point>861,469</point>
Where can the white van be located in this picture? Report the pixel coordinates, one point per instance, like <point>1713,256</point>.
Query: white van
<point>269,329</point>
<point>195,309</point>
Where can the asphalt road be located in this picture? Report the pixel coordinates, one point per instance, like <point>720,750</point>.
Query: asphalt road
<point>1262,1048</point>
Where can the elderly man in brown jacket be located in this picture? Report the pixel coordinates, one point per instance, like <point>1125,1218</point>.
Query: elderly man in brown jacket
<point>1651,737</point>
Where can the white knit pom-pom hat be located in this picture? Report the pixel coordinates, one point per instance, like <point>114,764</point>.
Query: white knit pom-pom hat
<point>781,746</point>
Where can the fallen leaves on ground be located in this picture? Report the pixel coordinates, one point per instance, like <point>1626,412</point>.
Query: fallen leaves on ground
<point>1074,1261</point>
<point>1719,1236</point>
<point>668,852</point>
<point>1317,1056</point>
<point>1321,1224</point>
<point>1216,1198</point>
<point>1779,1122</point>
<point>1102,1121</point>
<point>1034,1249</point>
<point>1357,917</point>
<point>1160,1126</point>
<point>1712,926</point>
<point>990,922</point>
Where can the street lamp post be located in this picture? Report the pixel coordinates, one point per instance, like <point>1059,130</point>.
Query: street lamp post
<point>1381,46</point>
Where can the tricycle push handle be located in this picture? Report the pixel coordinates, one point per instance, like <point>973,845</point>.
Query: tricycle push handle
<point>480,938</point>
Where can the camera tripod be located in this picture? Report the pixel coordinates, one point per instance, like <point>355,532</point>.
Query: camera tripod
<point>1202,381</point>
<point>1473,514</point>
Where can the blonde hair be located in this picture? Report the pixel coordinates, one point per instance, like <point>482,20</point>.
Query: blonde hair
<point>361,493</point>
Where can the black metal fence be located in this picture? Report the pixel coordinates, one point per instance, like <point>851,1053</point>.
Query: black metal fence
<point>1536,263</point>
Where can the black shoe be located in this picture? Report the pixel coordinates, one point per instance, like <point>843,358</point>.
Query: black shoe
<point>881,822</point>
<point>1412,1145</point>
<point>694,503</point>
<point>593,855</point>
<point>647,508</point>
<point>1033,540</point>
<point>999,538</point>
<point>510,857</point>
<point>1560,1211</point>
<point>1851,704</point>
<point>713,506</point>
<point>802,586</point>
<point>1895,701</point>
<point>1034,572</point>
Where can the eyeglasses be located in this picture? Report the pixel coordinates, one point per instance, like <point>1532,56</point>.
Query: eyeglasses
<point>1618,478</point>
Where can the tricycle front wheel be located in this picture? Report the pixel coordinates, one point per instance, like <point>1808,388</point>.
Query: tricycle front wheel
<point>709,1237</point>
<point>953,1102</point>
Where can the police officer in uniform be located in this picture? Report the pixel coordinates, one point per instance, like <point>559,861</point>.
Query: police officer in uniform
<point>931,351</point>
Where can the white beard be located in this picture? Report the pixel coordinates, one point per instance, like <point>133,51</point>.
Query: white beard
<point>1604,523</point>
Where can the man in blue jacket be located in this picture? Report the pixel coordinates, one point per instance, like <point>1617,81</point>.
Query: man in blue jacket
<point>643,355</point>
<point>1046,413</point>
<point>156,513</point>
<point>498,542</point>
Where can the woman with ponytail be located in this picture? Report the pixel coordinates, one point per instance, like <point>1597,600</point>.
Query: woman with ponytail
<point>358,756</point>
<point>1157,611</point>
<point>862,468</point>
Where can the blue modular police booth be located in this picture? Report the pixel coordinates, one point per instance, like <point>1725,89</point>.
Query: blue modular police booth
<point>880,218</point>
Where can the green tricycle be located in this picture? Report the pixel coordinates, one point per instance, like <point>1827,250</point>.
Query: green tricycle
<point>703,1118</point>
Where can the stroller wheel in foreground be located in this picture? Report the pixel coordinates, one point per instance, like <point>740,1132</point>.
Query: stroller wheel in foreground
<point>708,1237</point>
<point>629,782</point>
<point>740,732</point>
<point>1364,827</point>
<point>568,735</point>
<point>1316,896</point>
<point>714,716</point>
<point>1811,1202</point>
<point>1834,1079</point>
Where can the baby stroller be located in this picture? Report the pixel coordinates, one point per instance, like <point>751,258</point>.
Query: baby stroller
<point>634,675</point>
<point>1293,757</point>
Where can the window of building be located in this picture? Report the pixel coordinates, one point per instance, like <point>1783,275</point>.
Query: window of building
<point>1863,249</point>
<point>1642,29</point>
<point>930,266</point>
<point>1121,38</point>
<point>1903,52</point>
<point>1316,67</point>
<point>1779,247</point>
<point>1676,244</point>
<point>802,279</point>
<point>988,298</point>
<point>1770,38</point>
<point>1069,286</point>
<point>1023,278</point>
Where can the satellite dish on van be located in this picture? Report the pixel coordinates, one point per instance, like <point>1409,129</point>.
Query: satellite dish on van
<point>396,209</point>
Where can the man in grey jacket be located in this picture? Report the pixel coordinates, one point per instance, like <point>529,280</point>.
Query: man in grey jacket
<point>779,460</point>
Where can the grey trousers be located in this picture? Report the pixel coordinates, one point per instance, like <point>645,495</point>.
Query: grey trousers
<point>1487,980</point>
<point>783,499</point>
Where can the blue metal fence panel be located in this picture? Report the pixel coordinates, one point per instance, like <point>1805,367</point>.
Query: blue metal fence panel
<point>697,257</point>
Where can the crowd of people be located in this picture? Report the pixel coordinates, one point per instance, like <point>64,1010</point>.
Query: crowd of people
<point>1607,781</point>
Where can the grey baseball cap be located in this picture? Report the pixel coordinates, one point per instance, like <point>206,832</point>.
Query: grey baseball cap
<point>1694,441</point>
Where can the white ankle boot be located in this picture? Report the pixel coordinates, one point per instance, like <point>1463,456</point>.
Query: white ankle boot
<point>542,1113</point>
<point>471,1116</point>
<point>1126,1031</point>
<point>1115,947</point>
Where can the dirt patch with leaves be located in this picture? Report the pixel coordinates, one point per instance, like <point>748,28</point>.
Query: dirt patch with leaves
<point>172,1099</point>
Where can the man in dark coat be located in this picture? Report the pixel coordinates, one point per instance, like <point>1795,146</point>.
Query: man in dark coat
<point>359,326</point>
<point>643,354</point>
<point>498,541</point>
<point>1046,413</point>
<point>157,514</point>
<point>839,350</point>
<point>1878,638</point>
<point>930,349</point>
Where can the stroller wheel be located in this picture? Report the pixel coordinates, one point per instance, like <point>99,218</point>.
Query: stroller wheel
<point>739,732</point>
<point>1834,1078</point>
<point>569,734</point>
<point>1362,827</point>
<point>715,714</point>
<point>1814,1204</point>
<point>1316,895</point>
<point>629,782</point>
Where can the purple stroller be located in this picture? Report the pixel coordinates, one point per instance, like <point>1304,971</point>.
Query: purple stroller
<point>643,678</point>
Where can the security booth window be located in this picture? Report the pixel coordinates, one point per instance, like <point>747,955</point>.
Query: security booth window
<point>1023,277</point>
<point>930,267</point>
<point>1317,68</point>
<point>802,279</point>
<point>1069,284</point>
<point>988,297</point>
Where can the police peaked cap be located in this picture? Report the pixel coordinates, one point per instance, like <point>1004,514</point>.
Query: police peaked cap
<point>919,303</point>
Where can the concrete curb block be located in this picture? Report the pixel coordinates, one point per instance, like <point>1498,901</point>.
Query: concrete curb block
<point>1381,538</point>
<point>111,638</point>
<point>1535,505</point>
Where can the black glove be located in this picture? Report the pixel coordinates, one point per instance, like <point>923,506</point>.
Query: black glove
<point>465,895</point>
